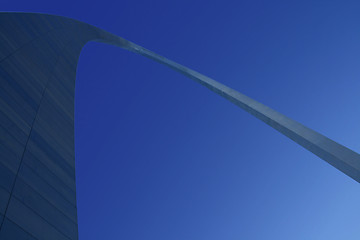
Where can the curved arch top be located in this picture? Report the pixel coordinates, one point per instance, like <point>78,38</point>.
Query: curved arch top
<point>38,60</point>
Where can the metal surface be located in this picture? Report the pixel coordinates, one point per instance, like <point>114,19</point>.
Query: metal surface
<point>38,59</point>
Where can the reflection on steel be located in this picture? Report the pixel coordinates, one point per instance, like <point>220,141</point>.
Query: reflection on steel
<point>38,59</point>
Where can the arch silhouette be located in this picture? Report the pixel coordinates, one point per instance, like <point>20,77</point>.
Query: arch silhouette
<point>38,59</point>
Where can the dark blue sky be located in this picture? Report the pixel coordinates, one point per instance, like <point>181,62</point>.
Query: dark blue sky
<point>160,157</point>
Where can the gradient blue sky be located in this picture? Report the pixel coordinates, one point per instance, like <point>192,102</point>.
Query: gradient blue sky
<point>160,157</point>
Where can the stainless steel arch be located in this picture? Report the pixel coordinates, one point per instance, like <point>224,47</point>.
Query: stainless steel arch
<point>38,58</point>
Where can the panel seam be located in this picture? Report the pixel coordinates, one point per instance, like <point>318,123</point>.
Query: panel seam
<point>32,125</point>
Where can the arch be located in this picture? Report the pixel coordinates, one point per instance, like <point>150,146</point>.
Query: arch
<point>38,59</point>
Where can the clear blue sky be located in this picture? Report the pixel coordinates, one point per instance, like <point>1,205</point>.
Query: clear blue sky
<point>160,157</point>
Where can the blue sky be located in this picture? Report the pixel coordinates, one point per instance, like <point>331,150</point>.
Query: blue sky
<point>160,157</point>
